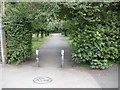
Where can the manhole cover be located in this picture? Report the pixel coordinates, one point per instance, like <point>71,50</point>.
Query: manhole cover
<point>42,80</point>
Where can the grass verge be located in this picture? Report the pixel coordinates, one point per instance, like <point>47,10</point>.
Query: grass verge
<point>68,41</point>
<point>37,43</point>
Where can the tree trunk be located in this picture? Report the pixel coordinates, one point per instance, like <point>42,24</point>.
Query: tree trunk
<point>46,33</point>
<point>37,36</point>
<point>42,34</point>
<point>65,32</point>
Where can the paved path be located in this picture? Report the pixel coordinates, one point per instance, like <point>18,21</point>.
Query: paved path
<point>106,78</point>
<point>50,55</point>
<point>22,76</point>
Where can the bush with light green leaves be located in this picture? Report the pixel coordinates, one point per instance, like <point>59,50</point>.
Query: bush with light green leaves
<point>99,64</point>
<point>93,29</point>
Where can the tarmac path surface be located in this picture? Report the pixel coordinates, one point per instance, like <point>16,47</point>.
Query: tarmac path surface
<point>22,76</point>
<point>50,52</point>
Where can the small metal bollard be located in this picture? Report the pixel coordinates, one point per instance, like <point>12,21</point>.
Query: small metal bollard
<point>37,57</point>
<point>62,57</point>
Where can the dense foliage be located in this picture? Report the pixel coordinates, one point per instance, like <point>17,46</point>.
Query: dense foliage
<point>94,30</point>
<point>92,27</point>
<point>21,20</point>
<point>18,33</point>
<point>99,64</point>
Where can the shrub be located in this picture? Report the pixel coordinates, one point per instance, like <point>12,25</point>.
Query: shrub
<point>99,64</point>
<point>94,30</point>
<point>18,39</point>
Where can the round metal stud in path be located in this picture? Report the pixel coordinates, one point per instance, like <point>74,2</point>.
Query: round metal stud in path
<point>42,80</point>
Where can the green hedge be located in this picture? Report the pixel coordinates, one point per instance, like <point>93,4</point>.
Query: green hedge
<point>94,32</point>
<point>97,43</point>
<point>101,64</point>
<point>21,20</point>
<point>18,39</point>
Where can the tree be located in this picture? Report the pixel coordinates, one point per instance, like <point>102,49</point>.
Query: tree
<point>93,28</point>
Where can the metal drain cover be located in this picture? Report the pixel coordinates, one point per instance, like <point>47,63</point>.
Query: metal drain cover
<point>42,80</point>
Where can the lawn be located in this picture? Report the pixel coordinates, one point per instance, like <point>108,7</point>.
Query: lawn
<point>37,43</point>
<point>68,40</point>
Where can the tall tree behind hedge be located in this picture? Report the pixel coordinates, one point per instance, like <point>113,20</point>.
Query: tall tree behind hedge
<point>21,20</point>
<point>94,31</point>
